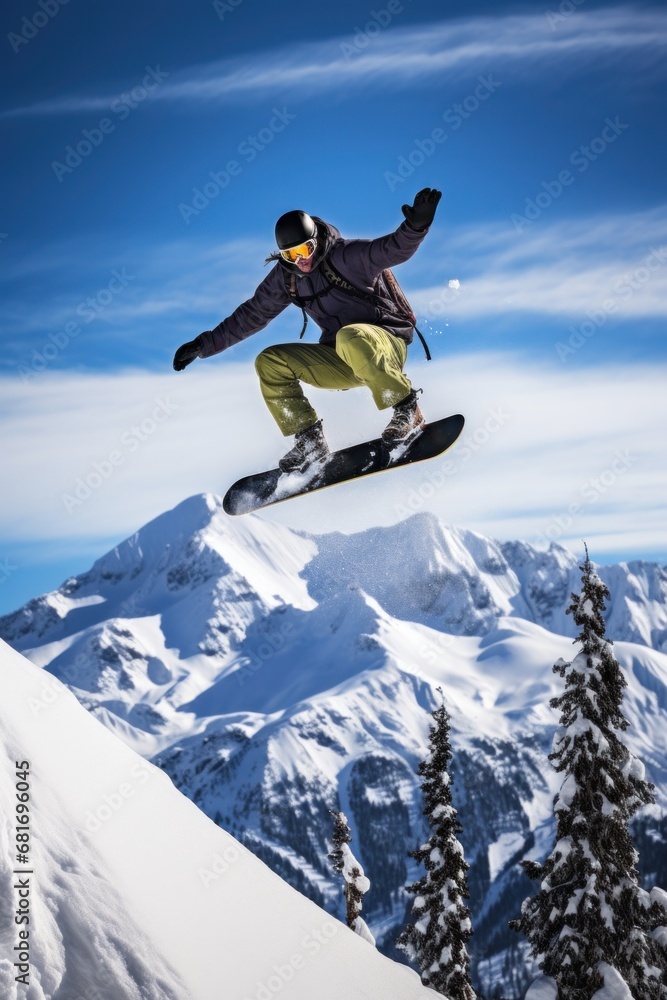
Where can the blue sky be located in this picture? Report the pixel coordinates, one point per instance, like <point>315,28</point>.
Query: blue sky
<point>543,125</point>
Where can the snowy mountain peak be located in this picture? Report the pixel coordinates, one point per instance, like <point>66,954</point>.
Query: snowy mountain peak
<point>193,546</point>
<point>194,558</point>
<point>275,676</point>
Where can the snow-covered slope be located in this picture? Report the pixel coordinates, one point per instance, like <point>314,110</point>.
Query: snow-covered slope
<point>275,676</point>
<point>134,890</point>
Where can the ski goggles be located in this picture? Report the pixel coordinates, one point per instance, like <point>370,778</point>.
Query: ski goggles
<point>303,250</point>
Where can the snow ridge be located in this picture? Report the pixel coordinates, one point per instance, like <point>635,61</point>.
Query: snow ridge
<point>275,676</point>
<point>128,871</point>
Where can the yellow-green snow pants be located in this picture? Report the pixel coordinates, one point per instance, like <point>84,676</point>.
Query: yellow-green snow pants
<point>364,355</point>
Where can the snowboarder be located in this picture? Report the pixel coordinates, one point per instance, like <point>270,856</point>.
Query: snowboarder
<point>366,324</point>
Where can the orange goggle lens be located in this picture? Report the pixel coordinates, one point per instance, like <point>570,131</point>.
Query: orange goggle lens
<point>304,250</point>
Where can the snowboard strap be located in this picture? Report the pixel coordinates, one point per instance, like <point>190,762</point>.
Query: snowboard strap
<point>335,279</point>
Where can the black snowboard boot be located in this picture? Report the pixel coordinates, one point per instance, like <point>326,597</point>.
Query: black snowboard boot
<point>310,446</point>
<point>406,422</point>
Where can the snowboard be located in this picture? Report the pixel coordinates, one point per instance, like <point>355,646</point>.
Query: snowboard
<point>266,488</point>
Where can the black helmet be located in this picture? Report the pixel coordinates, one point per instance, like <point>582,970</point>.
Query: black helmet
<point>293,228</point>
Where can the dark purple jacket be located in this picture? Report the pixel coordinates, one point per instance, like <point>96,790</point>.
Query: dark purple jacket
<point>360,261</point>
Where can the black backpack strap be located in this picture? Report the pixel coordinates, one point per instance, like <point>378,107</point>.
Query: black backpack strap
<point>395,295</point>
<point>294,295</point>
<point>301,302</point>
<point>424,344</point>
<point>336,280</point>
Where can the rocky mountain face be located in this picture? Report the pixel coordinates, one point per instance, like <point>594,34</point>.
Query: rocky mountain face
<point>275,676</point>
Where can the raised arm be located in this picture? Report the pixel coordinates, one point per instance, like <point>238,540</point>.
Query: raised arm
<point>395,248</point>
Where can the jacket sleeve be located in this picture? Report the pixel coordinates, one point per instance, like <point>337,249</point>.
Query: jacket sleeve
<point>374,256</point>
<point>268,302</point>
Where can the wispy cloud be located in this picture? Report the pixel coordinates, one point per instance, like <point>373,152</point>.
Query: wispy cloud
<point>559,269</point>
<point>400,56</point>
<point>562,269</point>
<point>183,282</point>
<point>540,442</point>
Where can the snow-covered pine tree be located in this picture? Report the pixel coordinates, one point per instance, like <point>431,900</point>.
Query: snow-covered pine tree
<point>436,939</point>
<point>356,883</point>
<point>591,922</point>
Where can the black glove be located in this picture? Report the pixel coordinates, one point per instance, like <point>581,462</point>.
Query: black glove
<point>421,214</point>
<point>186,354</point>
